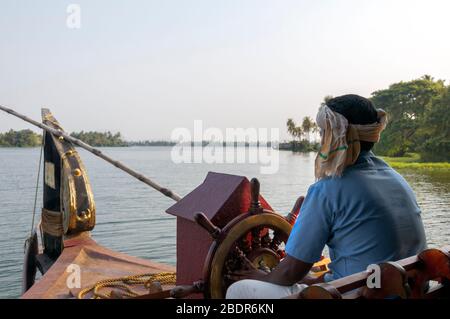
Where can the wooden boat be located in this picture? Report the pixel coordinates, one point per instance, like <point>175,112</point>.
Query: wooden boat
<point>223,225</point>
<point>68,216</point>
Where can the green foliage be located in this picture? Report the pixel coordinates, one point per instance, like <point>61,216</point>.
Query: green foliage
<point>100,139</point>
<point>295,131</point>
<point>418,119</point>
<point>434,144</point>
<point>413,161</point>
<point>408,158</point>
<point>441,166</point>
<point>23,138</point>
<point>308,126</point>
<point>300,144</point>
<point>304,146</point>
<point>151,143</point>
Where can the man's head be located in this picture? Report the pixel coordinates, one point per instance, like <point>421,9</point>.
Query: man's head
<point>357,110</point>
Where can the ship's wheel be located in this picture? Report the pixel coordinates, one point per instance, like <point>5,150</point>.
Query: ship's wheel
<point>257,238</point>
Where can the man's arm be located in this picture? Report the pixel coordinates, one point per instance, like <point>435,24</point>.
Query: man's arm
<point>304,247</point>
<point>288,272</point>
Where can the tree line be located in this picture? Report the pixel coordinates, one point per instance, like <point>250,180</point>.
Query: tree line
<point>301,135</point>
<point>99,139</point>
<point>419,116</point>
<point>419,119</point>
<point>28,138</point>
<point>418,113</point>
<point>23,138</point>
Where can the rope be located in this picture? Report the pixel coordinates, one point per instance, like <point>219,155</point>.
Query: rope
<point>125,284</point>
<point>36,192</point>
<point>37,186</point>
<point>51,223</point>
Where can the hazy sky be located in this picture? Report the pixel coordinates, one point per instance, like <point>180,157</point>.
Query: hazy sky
<point>146,67</point>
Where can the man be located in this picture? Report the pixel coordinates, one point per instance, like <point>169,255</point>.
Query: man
<point>363,210</point>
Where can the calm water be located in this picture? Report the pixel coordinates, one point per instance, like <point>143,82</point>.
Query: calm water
<point>131,217</point>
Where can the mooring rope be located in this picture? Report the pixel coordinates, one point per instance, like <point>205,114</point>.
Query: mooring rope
<point>37,185</point>
<point>125,284</point>
<point>36,191</point>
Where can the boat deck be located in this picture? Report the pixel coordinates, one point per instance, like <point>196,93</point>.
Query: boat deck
<point>96,263</point>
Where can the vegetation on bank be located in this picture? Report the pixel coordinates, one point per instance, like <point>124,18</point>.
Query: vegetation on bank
<point>99,139</point>
<point>303,146</point>
<point>421,166</point>
<point>151,143</point>
<point>419,123</point>
<point>413,161</point>
<point>301,135</point>
<point>419,119</point>
<point>28,138</point>
<point>418,113</point>
<point>22,138</point>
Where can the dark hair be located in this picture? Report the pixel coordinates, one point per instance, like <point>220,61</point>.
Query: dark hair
<point>357,110</point>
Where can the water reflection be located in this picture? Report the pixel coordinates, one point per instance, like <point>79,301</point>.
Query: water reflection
<point>432,193</point>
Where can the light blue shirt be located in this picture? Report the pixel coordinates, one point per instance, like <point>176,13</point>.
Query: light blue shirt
<point>367,216</point>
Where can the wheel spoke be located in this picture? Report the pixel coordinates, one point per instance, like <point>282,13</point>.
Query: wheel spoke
<point>266,240</point>
<point>244,245</point>
<point>256,238</point>
<point>276,241</point>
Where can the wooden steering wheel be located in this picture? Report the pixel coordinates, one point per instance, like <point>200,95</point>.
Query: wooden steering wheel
<point>257,237</point>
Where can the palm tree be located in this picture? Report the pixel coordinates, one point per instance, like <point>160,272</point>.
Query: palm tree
<point>291,127</point>
<point>299,132</point>
<point>307,126</point>
<point>294,130</point>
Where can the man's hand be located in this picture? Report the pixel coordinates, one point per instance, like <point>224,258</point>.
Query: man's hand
<point>248,271</point>
<point>288,272</point>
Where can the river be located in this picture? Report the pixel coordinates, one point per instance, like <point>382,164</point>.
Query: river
<point>131,216</point>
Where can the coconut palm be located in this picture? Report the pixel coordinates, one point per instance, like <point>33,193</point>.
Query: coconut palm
<point>295,131</point>
<point>291,127</point>
<point>299,132</point>
<point>307,126</point>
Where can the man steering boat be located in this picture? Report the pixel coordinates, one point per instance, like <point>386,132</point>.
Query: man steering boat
<point>360,208</point>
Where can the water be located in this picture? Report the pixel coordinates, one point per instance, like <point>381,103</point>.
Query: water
<point>131,217</point>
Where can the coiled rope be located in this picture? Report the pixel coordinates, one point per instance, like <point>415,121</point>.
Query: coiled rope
<point>125,284</point>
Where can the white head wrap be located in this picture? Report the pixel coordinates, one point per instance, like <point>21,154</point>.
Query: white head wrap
<point>340,145</point>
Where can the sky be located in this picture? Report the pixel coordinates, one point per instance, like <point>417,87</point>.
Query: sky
<point>144,68</point>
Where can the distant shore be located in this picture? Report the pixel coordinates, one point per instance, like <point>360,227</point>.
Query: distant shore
<point>410,161</point>
<point>27,138</point>
<point>303,146</point>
